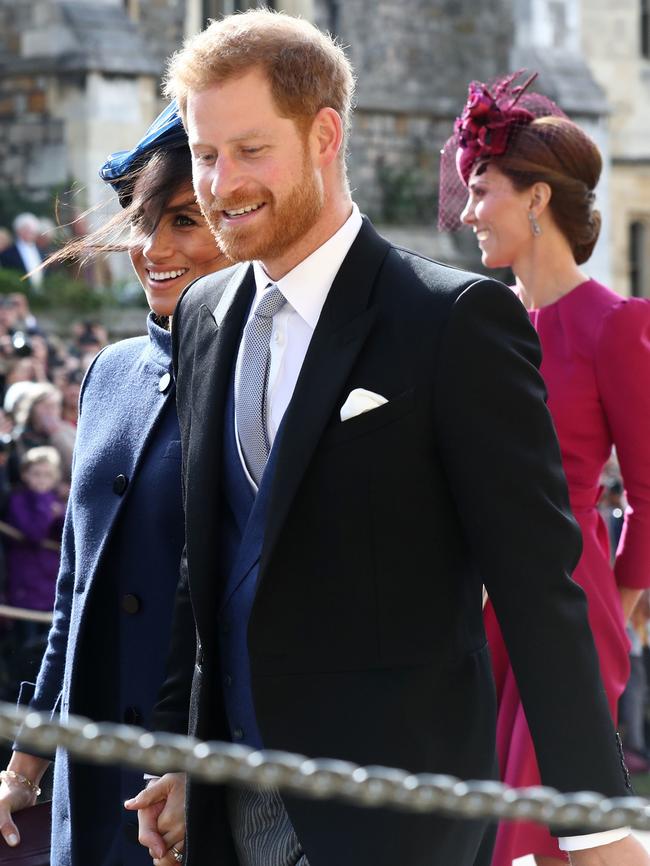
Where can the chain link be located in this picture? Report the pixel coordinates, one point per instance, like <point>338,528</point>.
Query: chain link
<point>321,778</point>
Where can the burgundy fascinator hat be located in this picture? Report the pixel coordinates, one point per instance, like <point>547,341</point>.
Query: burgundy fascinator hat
<point>485,129</point>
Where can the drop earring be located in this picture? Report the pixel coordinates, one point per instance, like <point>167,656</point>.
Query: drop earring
<point>535,227</point>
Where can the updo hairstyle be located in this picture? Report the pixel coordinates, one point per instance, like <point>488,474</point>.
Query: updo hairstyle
<point>554,150</point>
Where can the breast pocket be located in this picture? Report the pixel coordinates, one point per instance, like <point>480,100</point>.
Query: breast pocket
<point>368,422</point>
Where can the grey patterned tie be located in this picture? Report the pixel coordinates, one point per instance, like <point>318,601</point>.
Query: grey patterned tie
<point>252,380</point>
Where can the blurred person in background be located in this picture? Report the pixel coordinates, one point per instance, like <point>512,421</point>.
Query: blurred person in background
<point>527,175</point>
<point>6,239</point>
<point>36,511</point>
<point>24,255</point>
<point>25,319</point>
<point>49,237</point>
<point>71,389</point>
<point>39,421</point>
<point>124,531</point>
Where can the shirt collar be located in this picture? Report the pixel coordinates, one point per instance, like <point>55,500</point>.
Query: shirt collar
<point>306,287</point>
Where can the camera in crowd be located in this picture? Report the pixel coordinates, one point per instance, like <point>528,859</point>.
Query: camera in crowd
<point>22,345</point>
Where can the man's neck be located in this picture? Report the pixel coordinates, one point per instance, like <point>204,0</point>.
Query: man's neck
<point>334,215</point>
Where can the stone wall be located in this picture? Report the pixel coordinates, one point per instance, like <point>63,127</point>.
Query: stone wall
<point>630,203</point>
<point>414,61</point>
<point>611,39</point>
<point>32,141</point>
<point>162,24</point>
<point>76,83</point>
<point>80,79</point>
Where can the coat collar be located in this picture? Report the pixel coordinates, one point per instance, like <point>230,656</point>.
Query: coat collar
<point>160,343</point>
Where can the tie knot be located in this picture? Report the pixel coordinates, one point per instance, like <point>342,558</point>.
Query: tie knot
<point>270,303</point>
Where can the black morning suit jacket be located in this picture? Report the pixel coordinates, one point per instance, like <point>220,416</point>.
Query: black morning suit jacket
<point>366,638</point>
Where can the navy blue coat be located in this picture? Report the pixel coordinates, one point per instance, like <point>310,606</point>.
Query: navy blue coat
<point>122,544</point>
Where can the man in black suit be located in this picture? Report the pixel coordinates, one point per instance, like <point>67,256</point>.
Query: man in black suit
<point>366,444</point>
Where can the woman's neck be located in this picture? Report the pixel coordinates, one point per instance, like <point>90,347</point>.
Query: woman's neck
<point>546,273</point>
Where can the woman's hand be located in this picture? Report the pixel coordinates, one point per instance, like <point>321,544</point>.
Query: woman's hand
<point>16,794</point>
<point>161,817</point>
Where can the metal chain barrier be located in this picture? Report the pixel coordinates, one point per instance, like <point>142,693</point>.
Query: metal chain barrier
<point>321,778</point>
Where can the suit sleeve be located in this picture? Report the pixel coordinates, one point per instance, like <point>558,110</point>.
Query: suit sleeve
<point>504,469</point>
<point>171,713</point>
<point>623,374</point>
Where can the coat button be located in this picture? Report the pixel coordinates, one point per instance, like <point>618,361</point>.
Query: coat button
<point>131,603</point>
<point>238,734</point>
<point>165,382</point>
<point>132,716</point>
<point>120,484</point>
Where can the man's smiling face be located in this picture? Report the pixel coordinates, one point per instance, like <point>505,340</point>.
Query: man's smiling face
<point>253,172</point>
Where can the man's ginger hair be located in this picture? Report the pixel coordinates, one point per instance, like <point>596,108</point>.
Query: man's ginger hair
<point>307,70</point>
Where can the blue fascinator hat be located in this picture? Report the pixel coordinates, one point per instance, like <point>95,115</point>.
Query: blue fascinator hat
<point>166,131</point>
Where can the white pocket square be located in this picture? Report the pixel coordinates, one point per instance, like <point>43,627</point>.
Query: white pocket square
<point>360,401</point>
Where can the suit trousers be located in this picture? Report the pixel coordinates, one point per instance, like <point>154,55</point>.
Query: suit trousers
<point>262,830</point>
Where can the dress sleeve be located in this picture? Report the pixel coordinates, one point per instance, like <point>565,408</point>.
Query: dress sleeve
<point>623,375</point>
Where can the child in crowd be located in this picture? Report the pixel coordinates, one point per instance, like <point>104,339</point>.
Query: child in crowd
<point>36,511</point>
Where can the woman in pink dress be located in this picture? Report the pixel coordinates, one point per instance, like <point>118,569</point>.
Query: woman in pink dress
<point>528,176</point>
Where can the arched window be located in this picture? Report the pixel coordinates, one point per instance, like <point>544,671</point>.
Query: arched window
<point>639,263</point>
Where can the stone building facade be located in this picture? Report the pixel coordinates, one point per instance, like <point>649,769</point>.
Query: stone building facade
<point>79,78</point>
<point>549,38</point>
<point>616,38</point>
<point>76,81</point>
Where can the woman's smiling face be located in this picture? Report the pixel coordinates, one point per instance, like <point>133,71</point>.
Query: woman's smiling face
<point>177,250</point>
<point>498,215</point>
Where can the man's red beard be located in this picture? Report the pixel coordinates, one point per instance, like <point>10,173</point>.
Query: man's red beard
<point>285,222</point>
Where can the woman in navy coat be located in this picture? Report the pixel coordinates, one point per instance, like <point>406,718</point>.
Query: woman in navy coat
<point>124,530</point>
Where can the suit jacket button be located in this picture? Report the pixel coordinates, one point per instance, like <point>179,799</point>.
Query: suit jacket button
<point>165,382</point>
<point>131,603</point>
<point>120,484</point>
<point>238,734</point>
<point>132,716</point>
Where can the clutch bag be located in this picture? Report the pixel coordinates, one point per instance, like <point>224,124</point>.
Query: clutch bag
<point>35,826</point>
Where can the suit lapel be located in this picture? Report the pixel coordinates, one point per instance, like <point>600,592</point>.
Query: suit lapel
<point>215,348</point>
<point>344,324</point>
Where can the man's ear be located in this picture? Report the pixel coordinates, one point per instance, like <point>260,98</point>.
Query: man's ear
<point>326,136</point>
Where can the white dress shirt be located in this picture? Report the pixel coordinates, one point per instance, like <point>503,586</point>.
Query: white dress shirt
<point>31,257</point>
<point>306,288</point>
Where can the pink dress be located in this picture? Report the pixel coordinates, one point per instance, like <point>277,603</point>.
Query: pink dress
<point>596,365</point>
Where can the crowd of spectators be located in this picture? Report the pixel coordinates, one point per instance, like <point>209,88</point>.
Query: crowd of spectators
<point>40,380</point>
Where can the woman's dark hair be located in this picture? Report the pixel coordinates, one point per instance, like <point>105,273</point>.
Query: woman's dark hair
<point>146,190</point>
<point>554,150</point>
